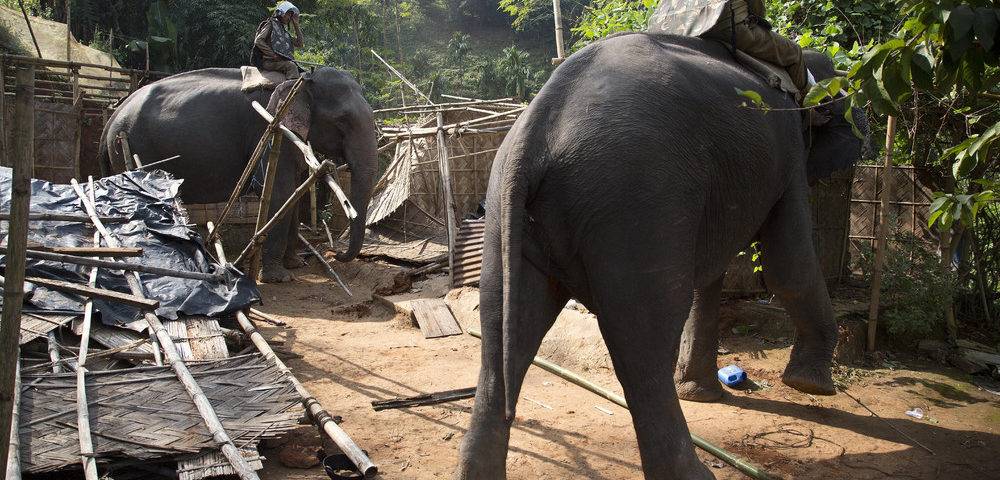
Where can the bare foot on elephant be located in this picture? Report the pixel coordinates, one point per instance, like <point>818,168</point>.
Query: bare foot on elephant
<point>275,273</point>
<point>811,379</point>
<point>699,391</point>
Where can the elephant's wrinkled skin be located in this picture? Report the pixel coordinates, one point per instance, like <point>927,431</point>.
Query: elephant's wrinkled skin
<point>205,118</point>
<point>629,183</point>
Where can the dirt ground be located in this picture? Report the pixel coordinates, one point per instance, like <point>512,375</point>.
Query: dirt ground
<point>354,351</point>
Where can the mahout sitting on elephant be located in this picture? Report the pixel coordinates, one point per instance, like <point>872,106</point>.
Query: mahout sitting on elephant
<point>629,183</point>
<point>205,117</point>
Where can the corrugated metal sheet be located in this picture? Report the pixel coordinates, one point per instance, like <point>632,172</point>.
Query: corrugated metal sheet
<point>469,253</point>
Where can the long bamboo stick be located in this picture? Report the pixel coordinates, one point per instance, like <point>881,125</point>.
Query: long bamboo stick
<point>114,265</point>
<point>444,169</point>
<point>258,152</point>
<point>218,432</point>
<point>82,410</point>
<point>64,217</point>
<point>326,265</point>
<point>318,414</point>
<point>881,243</point>
<point>311,161</point>
<point>14,454</point>
<point>293,199</point>
<point>53,348</point>
<point>744,466</point>
<point>265,200</point>
<point>17,241</point>
<point>63,64</point>
<point>401,77</point>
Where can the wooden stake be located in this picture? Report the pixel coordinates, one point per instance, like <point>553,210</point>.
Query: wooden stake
<point>265,202</point>
<point>17,241</point>
<point>449,209</point>
<point>215,428</point>
<point>82,405</point>
<point>53,348</point>
<point>881,237</point>
<point>126,151</point>
<point>313,208</point>
<point>319,415</point>
<point>326,265</point>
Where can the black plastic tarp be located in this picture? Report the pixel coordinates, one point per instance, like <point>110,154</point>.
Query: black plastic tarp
<point>155,223</point>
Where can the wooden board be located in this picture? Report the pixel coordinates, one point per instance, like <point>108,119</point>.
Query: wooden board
<point>435,318</point>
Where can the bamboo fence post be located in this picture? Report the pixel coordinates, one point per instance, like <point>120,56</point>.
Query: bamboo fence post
<point>313,208</point>
<point>448,200</point>
<point>316,411</point>
<point>14,454</point>
<point>69,33</point>
<point>211,419</point>
<point>881,236</point>
<point>87,458</point>
<point>17,242</point>
<point>126,151</point>
<point>557,17</point>
<point>285,208</point>
<point>258,152</point>
<point>3,112</point>
<point>53,348</point>
<point>265,202</point>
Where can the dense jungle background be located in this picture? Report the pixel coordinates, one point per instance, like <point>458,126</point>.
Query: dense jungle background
<point>932,65</point>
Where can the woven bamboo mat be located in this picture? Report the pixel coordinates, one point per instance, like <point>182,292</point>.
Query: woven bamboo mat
<point>145,413</point>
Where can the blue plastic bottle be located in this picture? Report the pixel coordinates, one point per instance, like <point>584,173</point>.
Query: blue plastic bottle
<point>732,375</point>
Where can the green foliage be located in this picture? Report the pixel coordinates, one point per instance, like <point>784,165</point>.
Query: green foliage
<point>915,289</point>
<point>605,17</point>
<point>458,47</point>
<point>508,74</point>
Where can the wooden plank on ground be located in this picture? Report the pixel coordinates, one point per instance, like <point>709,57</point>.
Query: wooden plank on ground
<point>434,317</point>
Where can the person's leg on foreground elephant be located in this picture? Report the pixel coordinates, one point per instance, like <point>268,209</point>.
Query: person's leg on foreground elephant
<point>765,44</point>
<point>483,452</point>
<point>792,272</point>
<point>697,366</point>
<point>288,68</point>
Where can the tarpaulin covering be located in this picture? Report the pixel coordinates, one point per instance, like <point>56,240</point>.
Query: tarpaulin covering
<point>154,223</point>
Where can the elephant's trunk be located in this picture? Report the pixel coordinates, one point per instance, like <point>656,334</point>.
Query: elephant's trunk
<point>362,156</point>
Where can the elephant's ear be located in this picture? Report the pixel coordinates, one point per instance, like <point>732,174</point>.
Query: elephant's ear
<point>299,116</point>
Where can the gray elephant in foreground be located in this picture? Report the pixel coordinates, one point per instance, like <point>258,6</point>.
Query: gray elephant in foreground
<point>629,183</point>
<point>204,117</point>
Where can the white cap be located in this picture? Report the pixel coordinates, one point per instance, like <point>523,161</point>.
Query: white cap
<point>285,7</point>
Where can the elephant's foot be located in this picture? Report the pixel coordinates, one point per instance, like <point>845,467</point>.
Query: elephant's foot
<point>293,261</point>
<point>275,273</point>
<point>708,390</point>
<point>812,378</point>
<point>483,454</point>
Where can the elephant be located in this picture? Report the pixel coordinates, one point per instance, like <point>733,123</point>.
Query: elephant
<point>204,117</point>
<point>629,183</point>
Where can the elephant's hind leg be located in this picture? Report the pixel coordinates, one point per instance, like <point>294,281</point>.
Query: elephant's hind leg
<point>642,313</point>
<point>792,272</point>
<point>696,364</point>
<point>483,452</point>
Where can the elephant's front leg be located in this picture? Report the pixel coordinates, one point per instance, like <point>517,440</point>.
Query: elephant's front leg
<point>281,239</point>
<point>696,363</point>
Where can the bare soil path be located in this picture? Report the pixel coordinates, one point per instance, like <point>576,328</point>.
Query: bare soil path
<point>354,351</point>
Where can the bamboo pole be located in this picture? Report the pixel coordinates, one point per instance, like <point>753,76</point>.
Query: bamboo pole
<point>313,208</point>
<point>319,415</point>
<point>3,113</point>
<point>293,199</point>
<point>326,265</point>
<point>67,65</point>
<point>126,151</point>
<point>401,77</point>
<point>265,201</point>
<point>211,419</point>
<point>557,18</point>
<point>449,201</point>
<point>64,217</point>
<point>87,458</point>
<point>258,152</point>
<point>311,161</point>
<point>53,348</point>
<point>740,464</point>
<point>881,236</point>
<point>69,33</point>
<point>114,265</point>
<point>17,240</point>
<point>14,454</point>
<point>31,31</point>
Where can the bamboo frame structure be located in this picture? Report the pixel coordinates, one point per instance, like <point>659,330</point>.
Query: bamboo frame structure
<point>319,415</point>
<point>258,152</point>
<point>449,200</point>
<point>17,242</point>
<point>205,409</point>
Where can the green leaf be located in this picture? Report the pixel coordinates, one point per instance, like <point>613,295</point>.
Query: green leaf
<point>985,26</point>
<point>753,97</point>
<point>849,116</point>
<point>964,164</point>
<point>826,88</point>
<point>960,22</point>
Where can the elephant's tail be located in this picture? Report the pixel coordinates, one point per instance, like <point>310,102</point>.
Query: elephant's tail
<point>513,203</point>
